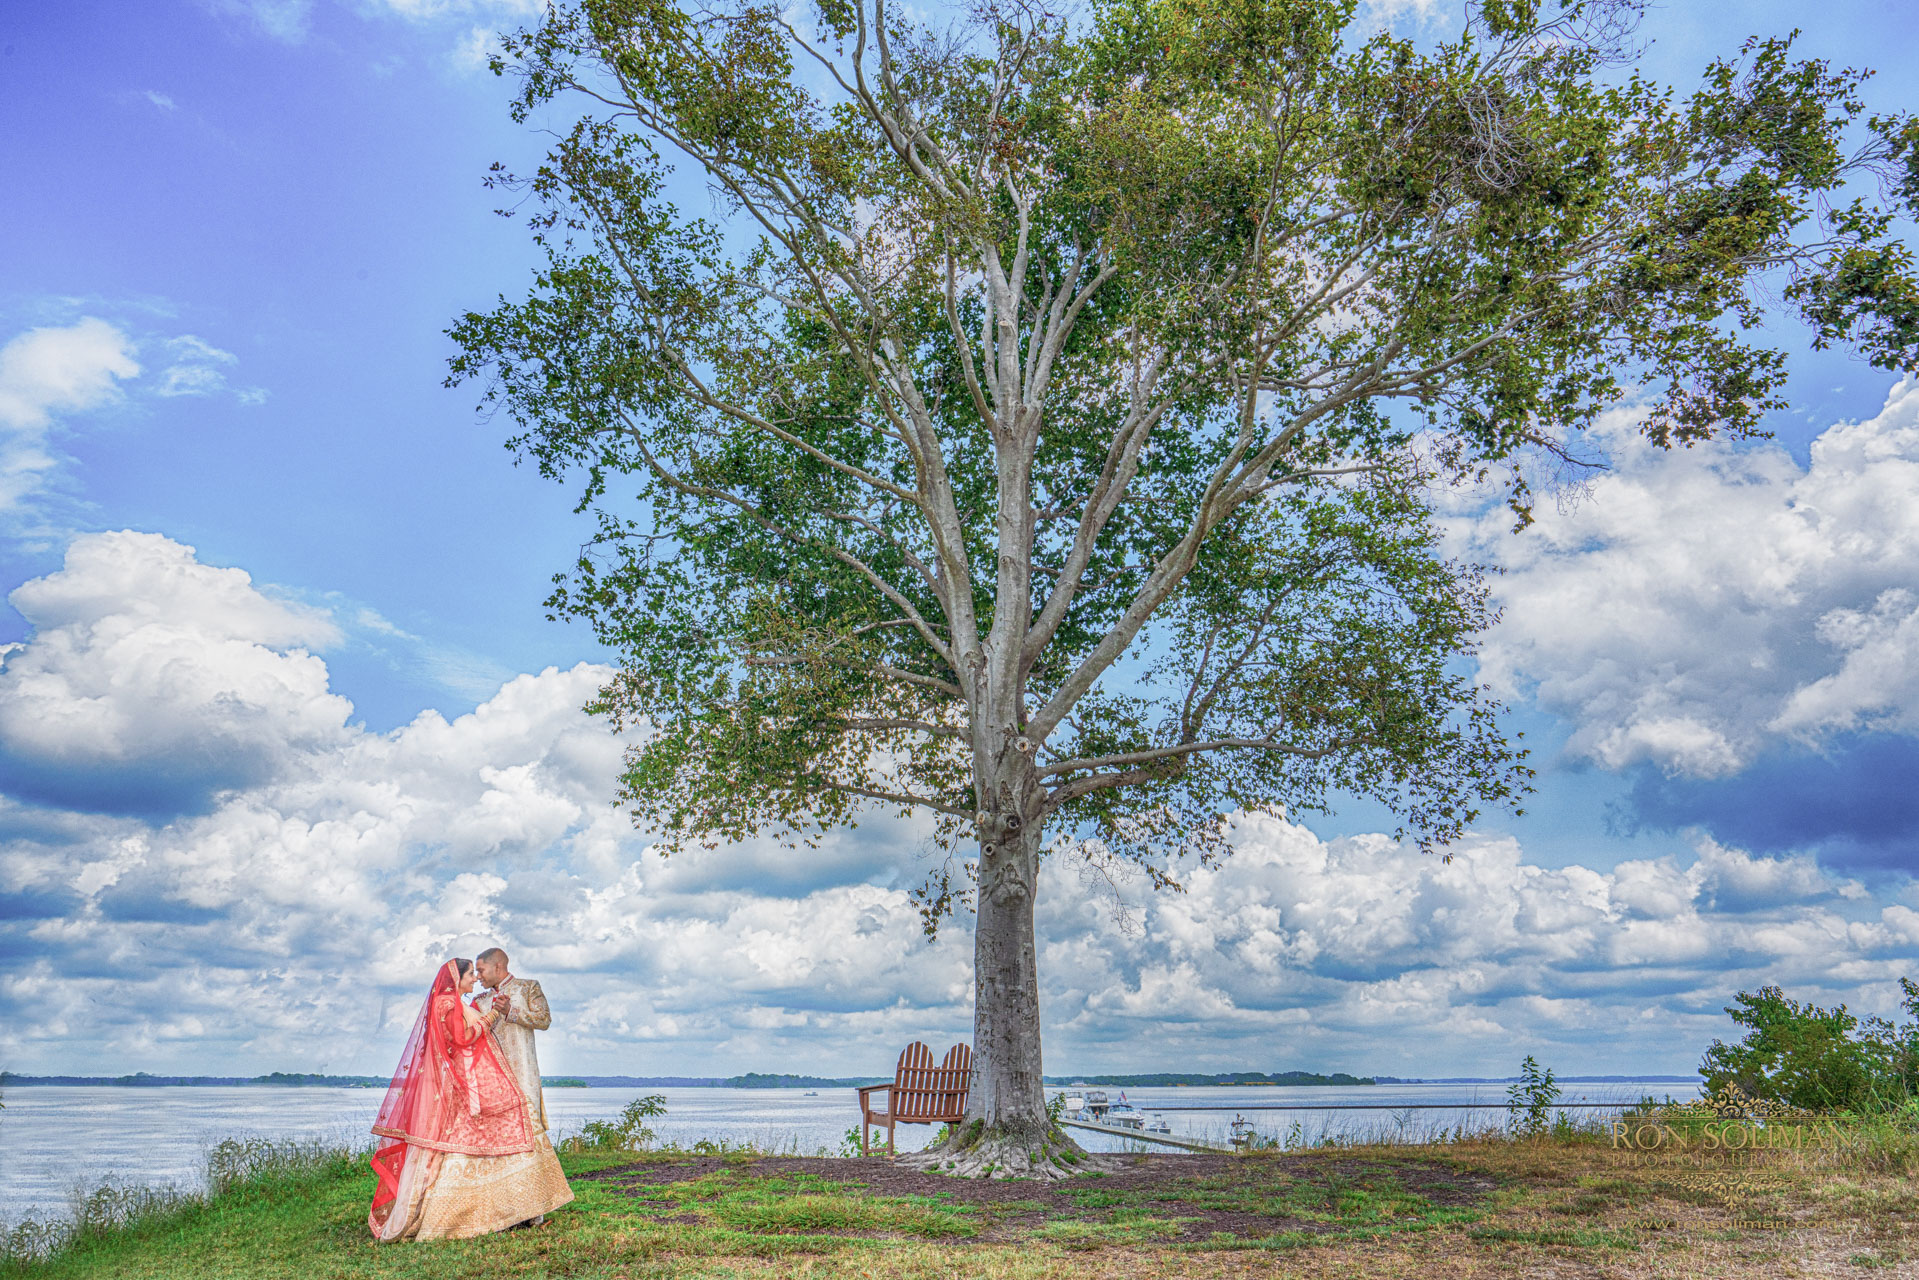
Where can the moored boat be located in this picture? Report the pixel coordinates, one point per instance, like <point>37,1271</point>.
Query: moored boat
<point>1124,1115</point>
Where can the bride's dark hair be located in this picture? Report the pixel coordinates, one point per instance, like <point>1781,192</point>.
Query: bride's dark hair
<point>462,965</point>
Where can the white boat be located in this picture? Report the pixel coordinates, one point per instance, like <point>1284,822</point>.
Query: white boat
<point>1157,1124</point>
<point>1072,1102</point>
<point>1124,1115</point>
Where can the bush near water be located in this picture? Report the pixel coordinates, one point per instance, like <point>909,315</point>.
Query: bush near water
<point>1819,1060</point>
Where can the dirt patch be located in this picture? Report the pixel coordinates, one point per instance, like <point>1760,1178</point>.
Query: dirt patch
<point>1179,1198</point>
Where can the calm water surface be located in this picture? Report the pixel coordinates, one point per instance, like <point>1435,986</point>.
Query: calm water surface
<point>55,1139</point>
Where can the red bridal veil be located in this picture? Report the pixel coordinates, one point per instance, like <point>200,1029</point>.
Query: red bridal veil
<point>452,1093</point>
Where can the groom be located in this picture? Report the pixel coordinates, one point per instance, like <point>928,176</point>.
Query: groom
<point>515,1010</point>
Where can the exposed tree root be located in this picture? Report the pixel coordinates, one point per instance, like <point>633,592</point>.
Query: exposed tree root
<point>973,1151</point>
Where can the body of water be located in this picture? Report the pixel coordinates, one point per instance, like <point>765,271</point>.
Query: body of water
<point>56,1139</point>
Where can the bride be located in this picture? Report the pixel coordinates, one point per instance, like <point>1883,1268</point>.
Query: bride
<point>457,1157</point>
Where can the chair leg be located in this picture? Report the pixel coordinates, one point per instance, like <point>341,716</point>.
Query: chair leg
<point>863,1128</point>
<point>892,1152</point>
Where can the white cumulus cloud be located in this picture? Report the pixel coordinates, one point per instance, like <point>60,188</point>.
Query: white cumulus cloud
<point>294,916</point>
<point>46,372</point>
<point>1699,605</point>
<point>55,373</point>
<point>147,664</point>
<point>1364,953</point>
<point>61,369</point>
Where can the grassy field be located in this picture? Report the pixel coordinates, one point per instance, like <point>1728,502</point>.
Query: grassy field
<point>1544,1207</point>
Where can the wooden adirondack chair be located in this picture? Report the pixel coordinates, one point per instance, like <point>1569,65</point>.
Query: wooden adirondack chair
<point>920,1093</point>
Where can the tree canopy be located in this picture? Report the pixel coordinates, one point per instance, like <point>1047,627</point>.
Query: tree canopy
<point>1039,432</point>
<point>1817,1059</point>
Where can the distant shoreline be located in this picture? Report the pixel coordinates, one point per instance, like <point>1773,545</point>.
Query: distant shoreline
<point>757,1080</point>
<point>1691,1079</point>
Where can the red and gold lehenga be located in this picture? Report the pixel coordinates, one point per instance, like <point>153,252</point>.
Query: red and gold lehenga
<point>458,1156</point>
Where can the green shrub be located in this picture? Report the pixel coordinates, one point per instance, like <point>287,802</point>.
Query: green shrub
<point>1530,1098</point>
<point>629,1133</point>
<point>1818,1059</point>
<point>262,1162</point>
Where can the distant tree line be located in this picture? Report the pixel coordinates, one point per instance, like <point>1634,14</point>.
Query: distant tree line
<point>303,1078</point>
<point>142,1078</point>
<point>1174,1079</point>
<point>751,1080</point>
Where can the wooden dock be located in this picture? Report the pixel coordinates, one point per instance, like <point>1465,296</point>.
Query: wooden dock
<point>1138,1135</point>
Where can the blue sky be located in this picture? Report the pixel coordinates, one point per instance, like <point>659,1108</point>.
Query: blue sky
<point>283,719</point>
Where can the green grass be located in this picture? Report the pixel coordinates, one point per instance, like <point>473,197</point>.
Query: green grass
<point>1600,1195</point>
<point>300,1214</point>
<point>1335,1199</point>
<point>1116,1231</point>
<point>1577,1237</point>
<point>309,1221</point>
<point>762,1210</point>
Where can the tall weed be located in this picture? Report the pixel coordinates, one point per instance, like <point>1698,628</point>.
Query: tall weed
<point>236,1166</point>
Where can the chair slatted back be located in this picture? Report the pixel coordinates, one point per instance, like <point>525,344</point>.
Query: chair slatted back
<point>956,1080</point>
<point>913,1084</point>
<point>923,1093</point>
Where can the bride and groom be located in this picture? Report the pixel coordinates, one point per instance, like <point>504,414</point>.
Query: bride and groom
<point>464,1148</point>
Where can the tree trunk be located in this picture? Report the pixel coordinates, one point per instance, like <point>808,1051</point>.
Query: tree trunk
<point>1008,1093</point>
<point>1007,1132</point>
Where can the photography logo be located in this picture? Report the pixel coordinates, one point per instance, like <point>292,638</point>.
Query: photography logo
<point>1729,1147</point>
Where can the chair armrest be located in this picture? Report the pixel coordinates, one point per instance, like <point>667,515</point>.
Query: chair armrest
<point>865,1089</point>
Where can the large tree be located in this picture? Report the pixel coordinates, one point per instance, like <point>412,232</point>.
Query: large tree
<point>1035,435</point>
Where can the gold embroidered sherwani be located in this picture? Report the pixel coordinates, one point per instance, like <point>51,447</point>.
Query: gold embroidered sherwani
<point>521,1009</point>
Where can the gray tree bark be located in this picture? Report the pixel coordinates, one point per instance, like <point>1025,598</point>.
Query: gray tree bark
<point>1009,1093</point>
<point>1007,1132</point>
